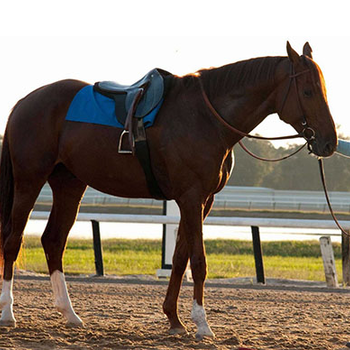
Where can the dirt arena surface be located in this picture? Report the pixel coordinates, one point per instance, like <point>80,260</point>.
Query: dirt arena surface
<point>126,313</point>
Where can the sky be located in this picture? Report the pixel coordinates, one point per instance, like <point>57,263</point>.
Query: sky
<point>45,41</point>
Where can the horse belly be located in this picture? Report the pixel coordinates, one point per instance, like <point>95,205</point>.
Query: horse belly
<point>90,152</point>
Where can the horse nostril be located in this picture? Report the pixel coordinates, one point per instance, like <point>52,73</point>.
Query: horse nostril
<point>329,148</point>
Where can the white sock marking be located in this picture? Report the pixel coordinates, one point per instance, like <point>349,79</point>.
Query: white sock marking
<point>6,303</point>
<point>199,318</point>
<point>62,300</point>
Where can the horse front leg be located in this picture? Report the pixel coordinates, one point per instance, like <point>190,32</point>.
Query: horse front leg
<point>198,314</point>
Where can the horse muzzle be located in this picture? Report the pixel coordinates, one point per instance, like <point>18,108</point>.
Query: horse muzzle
<point>321,149</point>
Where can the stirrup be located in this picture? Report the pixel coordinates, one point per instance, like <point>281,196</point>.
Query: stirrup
<point>125,151</point>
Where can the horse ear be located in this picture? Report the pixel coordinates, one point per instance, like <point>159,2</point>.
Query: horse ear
<point>307,50</point>
<point>293,55</point>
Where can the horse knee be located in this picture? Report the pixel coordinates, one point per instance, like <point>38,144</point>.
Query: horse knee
<point>179,266</point>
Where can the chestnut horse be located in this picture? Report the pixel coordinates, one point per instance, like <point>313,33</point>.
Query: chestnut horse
<point>190,149</point>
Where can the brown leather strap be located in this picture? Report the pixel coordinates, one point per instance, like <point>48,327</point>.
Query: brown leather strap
<point>320,163</point>
<point>230,127</point>
<point>143,155</point>
<point>130,117</point>
<point>270,160</point>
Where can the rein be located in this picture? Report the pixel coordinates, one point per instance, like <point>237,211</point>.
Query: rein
<point>270,160</point>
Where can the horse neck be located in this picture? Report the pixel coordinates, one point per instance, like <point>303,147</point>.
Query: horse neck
<point>245,93</point>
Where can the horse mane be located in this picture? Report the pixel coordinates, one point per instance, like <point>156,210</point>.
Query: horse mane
<point>242,74</point>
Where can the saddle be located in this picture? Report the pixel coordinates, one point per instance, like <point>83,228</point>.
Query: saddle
<point>132,103</point>
<point>147,93</point>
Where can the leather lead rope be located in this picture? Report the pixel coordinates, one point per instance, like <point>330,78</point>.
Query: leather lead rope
<point>320,163</point>
<point>270,160</point>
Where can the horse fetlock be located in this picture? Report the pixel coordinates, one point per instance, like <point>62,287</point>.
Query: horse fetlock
<point>170,310</point>
<point>5,300</point>
<point>178,330</point>
<point>176,326</point>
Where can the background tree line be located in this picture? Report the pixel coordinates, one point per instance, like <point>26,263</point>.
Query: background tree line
<point>300,172</point>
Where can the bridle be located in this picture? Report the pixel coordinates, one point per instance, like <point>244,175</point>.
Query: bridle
<point>307,133</point>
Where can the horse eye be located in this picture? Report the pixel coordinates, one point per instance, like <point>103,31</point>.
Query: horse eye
<point>307,93</point>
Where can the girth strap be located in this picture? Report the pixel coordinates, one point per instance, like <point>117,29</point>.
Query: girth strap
<point>143,155</point>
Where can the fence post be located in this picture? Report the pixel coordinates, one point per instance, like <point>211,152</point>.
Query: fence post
<point>259,265</point>
<point>345,250</point>
<point>169,241</point>
<point>97,247</point>
<point>328,261</point>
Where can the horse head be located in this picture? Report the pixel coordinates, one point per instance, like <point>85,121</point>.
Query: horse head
<point>303,102</point>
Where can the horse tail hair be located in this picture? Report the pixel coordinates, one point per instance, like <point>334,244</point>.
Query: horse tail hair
<point>6,194</point>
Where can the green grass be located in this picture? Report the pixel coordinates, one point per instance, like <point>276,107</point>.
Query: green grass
<point>226,258</point>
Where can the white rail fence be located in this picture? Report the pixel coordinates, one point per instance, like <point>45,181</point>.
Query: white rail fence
<point>231,198</point>
<point>170,223</point>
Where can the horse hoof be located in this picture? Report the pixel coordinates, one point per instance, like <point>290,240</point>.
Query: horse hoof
<point>179,330</point>
<point>74,324</point>
<point>207,334</point>
<point>7,323</point>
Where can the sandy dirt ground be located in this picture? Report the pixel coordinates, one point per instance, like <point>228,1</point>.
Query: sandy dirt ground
<point>126,313</point>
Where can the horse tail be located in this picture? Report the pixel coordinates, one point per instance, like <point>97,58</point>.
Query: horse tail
<point>6,193</point>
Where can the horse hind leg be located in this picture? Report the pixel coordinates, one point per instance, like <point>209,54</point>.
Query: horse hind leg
<point>67,194</point>
<point>25,194</point>
<point>180,260</point>
<point>6,304</point>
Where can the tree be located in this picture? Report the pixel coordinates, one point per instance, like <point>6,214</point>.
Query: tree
<point>300,172</point>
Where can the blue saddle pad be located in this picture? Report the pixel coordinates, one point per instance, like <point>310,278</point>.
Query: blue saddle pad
<point>89,106</point>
